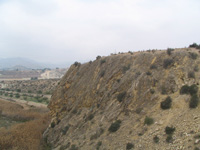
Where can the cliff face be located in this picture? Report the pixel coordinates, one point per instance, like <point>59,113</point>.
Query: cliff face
<point>126,87</point>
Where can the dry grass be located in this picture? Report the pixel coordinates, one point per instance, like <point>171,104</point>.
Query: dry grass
<point>26,135</point>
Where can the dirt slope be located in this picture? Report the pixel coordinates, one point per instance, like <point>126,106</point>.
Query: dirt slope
<point>127,87</point>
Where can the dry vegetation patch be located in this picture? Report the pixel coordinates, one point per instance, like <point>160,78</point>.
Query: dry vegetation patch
<point>26,135</point>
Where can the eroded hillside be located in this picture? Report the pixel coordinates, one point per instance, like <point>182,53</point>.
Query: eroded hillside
<point>114,103</point>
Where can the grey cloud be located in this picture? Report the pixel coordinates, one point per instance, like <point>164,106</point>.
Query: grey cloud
<point>80,30</point>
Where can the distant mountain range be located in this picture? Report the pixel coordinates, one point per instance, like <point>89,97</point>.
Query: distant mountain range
<point>26,64</point>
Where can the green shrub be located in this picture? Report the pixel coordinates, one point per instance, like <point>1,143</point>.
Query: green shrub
<point>193,89</point>
<point>39,92</point>
<point>196,68</point>
<point>166,104</point>
<point>103,61</point>
<point>169,139</point>
<point>126,68</point>
<point>53,124</point>
<point>194,101</point>
<point>121,96</point>
<point>167,63</point>
<point>148,73</point>
<point>194,45</point>
<point>73,147</point>
<point>191,74</point>
<point>156,139</point>
<point>98,57</point>
<point>193,55</point>
<point>170,130</point>
<point>77,64</point>
<point>64,131</point>
<point>115,126</point>
<point>169,51</point>
<point>99,145</point>
<point>129,146</point>
<point>185,89</point>
<point>153,66</point>
<point>102,73</point>
<point>90,117</point>
<point>152,91</point>
<point>17,95</point>
<point>148,121</point>
<point>18,90</point>
<point>163,90</point>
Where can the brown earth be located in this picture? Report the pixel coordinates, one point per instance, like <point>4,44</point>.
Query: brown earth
<point>128,87</point>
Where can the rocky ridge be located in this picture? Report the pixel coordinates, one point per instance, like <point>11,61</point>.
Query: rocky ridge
<point>105,104</point>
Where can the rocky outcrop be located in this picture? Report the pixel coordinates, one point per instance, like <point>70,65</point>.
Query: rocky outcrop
<point>126,87</point>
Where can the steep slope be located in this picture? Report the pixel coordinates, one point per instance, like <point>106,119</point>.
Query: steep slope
<point>123,90</point>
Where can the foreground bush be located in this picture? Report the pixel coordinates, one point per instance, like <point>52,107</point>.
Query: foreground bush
<point>129,146</point>
<point>169,130</point>
<point>167,63</point>
<point>148,121</point>
<point>193,89</point>
<point>166,104</point>
<point>194,101</point>
<point>121,96</point>
<point>115,126</point>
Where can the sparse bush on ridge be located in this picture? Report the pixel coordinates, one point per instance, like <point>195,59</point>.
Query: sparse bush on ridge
<point>193,89</point>
<point>99,145</point>
<point>153,66</point>
<point>169,51</point>
<point>77,64</point>
<point>148,73</point>
<point>194,45</point>
<point>126,68</point>
<point>103,61</point>
<point>163,90</point>
<point>129,146</point>
<point>194,101</point>
<point>115,126</point>
<point>185,89</point>
<point>156,139</point>
<point>121,96</point>
<point>102,73</point>
<point>167,63</point>
<point>191,74</point>
<point>148,121</point>
<point>169,139</point>
<point>170,130</point>
<point>166,104</point>
<point>193,55</point>
<point>98,57</point>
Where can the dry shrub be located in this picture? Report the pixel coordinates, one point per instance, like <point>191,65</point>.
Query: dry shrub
<point>17,112</point>
<point>26,135</point>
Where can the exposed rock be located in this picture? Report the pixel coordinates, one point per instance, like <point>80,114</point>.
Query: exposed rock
<point>119,92</point>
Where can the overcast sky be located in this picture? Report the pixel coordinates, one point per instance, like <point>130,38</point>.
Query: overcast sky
<point>79,30</point>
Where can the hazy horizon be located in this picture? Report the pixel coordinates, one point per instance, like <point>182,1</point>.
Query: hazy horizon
<point>68,31</point>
